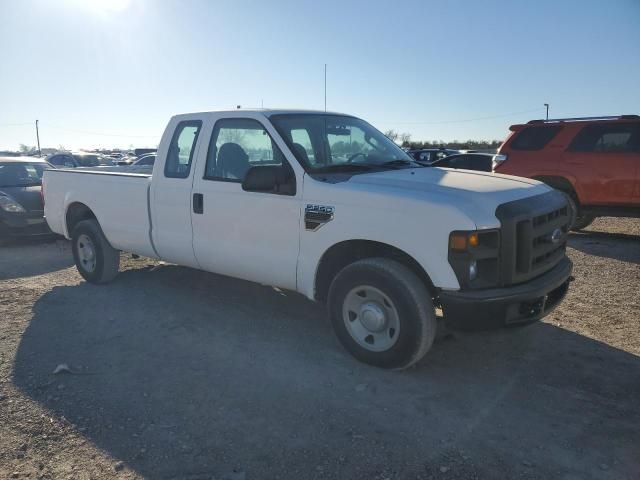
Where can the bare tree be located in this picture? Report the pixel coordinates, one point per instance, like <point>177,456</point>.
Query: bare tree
<point>391,135</point>
<point>405,139</point>
<point>27,149</point>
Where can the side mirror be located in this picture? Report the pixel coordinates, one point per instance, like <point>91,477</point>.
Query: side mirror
<point>262,179</point>
<point>278,179</point>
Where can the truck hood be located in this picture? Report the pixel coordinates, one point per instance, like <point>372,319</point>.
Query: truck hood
<point>467,181</point>
<point>478,194</point>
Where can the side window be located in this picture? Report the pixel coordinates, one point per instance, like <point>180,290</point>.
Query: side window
<point>450,162</point>
<point>535,138</point>
<point>440,155</point>
<point>301,141</point>
<point>67,161</point>
<point>181,149</point>
<point>237,144</point>
<point>56,160</point>
<point>457,162</point>
<point>424,156</point>
<point>618,138</point>
<point>466,162</point>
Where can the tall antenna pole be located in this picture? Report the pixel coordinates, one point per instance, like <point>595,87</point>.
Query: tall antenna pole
<point>38,138</point>
<point>547,105</point>
<point>325,87</point>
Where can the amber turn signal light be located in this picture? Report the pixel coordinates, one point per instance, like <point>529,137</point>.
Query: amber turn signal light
<point>473,240</point>
<point>461,241</point>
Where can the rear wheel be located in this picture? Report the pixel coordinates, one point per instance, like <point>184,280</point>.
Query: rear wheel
<point>96,260</point>
<point>382,313</point>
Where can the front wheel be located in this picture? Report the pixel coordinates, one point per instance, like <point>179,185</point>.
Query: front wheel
<point>382,313</point>
<point>96,260</point>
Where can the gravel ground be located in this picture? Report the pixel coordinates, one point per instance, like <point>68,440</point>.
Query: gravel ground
<point>175,375</point>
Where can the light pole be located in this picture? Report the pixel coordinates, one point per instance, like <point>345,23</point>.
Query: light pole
<point>547,105</point>
<point>38,139</point>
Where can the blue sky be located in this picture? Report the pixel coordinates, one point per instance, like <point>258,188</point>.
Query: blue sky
<point>121,68</point>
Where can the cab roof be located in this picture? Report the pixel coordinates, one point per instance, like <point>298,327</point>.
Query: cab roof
<point>270,111</point>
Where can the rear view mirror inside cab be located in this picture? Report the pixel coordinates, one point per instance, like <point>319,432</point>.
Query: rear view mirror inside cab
<point>338,130</point>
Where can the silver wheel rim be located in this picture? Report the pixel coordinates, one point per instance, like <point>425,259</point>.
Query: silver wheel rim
<point>371,318</point>
<point>86,253</point>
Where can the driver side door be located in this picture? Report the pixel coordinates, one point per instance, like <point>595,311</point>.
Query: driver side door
<point>244,234</point>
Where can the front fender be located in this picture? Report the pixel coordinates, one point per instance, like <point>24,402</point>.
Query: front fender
<point>424,238</point>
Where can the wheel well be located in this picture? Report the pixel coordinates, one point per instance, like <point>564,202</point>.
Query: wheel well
<point>560,183</point>
<point>344,253</point>
<point>76,213</point>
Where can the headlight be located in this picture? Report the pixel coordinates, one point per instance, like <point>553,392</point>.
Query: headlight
<point>8,204</point>
<point>474,257</point>
<point>473,270</point>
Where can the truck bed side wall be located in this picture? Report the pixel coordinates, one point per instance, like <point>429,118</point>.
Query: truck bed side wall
<point>119,202</point>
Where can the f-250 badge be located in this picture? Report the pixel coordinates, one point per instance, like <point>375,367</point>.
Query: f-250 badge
<point>317,215</point>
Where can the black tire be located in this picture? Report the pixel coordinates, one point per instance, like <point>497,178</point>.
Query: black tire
<point>578,219</point>
<point>573,208</point>
<point>107,258</point>
<point>582,221</point>
<point>410,299</point>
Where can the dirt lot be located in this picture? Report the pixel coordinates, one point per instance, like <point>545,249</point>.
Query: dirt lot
<point>180,374</point>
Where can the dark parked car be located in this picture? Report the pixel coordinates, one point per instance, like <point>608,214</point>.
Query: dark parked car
<point>21,207</point>
<point>74,160</point>
<point>427,156</point>
<point>62,160</point>
<point>466,161</point>
<point>148,159</point>
<point>141,152</point>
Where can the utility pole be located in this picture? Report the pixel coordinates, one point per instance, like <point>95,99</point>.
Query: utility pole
<point>38,138</point>
<point>547,105</point>
<point>325,87</point>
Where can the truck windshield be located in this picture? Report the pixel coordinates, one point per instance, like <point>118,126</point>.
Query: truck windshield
<point>324,143</point>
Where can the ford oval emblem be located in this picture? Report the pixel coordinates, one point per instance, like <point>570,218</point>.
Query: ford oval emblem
<point>556,236</point>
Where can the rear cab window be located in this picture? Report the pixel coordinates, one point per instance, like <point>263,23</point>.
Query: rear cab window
<point>534,138</point>
<point>182,149</point>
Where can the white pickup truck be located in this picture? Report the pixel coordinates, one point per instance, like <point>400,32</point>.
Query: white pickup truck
<point>325,204</point>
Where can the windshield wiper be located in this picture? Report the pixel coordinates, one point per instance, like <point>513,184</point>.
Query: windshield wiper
<point>400,163</point>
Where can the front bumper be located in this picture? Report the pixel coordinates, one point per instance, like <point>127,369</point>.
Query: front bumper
<point>517,304</point>
<point>23,225</point>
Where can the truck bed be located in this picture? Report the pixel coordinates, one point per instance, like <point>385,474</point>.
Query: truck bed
<point>118,197</point>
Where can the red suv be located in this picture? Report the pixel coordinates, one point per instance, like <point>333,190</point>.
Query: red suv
<point>594,160</point>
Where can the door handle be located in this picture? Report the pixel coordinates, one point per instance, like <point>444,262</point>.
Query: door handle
<point>198,203</point>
